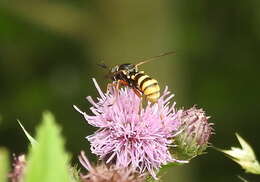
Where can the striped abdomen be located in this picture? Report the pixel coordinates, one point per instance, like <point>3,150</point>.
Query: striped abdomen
<point>148,86</point>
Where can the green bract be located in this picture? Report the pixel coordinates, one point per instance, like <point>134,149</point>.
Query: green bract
<point>244,156</point>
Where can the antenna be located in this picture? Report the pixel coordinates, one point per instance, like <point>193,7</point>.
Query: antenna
<point>146,60</point>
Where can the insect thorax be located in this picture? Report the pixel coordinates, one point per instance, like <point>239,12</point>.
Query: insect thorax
<point>127,68</point>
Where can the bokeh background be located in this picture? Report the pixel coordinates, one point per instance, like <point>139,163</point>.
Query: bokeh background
<point>49,51</point>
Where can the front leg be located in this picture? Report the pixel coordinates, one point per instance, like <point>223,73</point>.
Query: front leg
<point>137,92</point>
<point>117,84</point>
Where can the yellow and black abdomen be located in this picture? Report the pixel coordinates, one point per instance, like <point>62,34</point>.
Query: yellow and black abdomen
<point>148,86</point>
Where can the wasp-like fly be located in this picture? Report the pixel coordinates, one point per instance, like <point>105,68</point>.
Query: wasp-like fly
<point>128,74</point>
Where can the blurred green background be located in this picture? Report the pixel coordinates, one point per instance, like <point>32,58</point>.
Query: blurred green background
<point>49,51</point>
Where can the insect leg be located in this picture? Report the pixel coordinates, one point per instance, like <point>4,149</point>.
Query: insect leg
<point>117,85</point>
<point>111,85</point>
<point>122,82</point>
<point>137,92</point>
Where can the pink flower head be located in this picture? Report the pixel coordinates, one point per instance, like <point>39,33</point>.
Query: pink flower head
<point>103,173</point>
<point>130,135</point>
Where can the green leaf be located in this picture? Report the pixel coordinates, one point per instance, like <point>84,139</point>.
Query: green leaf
<point>48,161</point>
<point>4,165</point>
<point>30,138</point>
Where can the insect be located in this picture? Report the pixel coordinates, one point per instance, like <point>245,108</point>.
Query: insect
<point>128,74</point>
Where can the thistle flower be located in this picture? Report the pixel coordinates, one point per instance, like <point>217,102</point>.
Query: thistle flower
<point>130,135</point>
<point>195,136</point>
<point>19,165</point>
<point>102,173</point>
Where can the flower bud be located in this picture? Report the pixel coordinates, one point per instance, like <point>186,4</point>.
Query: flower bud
<point>193,140</point>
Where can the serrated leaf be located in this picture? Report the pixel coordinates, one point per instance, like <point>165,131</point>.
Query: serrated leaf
<point>48,161</point>
<point>30,138</point>
<point>4,165</point>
